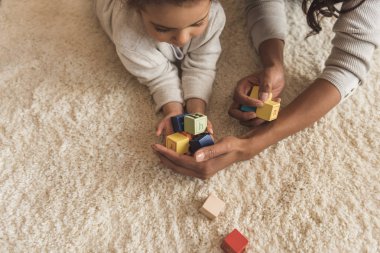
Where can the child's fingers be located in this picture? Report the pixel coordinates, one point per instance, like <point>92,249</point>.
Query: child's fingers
<point>210,127</point>
<point>160,128</point>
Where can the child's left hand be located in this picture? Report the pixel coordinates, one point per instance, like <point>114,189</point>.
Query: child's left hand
<point>164,127</point>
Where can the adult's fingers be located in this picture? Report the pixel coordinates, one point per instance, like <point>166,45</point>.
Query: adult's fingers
<point>238,114</point>
<point>173,156</point>
<point>241,95</point>
<point>265,89</point>
<point>178,169</point>
<point>224,146</point>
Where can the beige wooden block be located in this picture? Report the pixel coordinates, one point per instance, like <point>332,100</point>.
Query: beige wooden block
<point>212,207</point>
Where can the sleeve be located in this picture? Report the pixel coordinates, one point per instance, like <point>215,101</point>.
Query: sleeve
<point>357,35</point>
<point>199,65</point>
<point>159,75</point>
<point>266,19</point>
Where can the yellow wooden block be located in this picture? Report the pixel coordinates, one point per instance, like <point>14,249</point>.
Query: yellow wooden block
<point>255,93</point>
<point>269,111</point>
<point>178,142</point>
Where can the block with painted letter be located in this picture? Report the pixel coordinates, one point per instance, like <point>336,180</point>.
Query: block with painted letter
<point>178,142</point>
<point>195,123</point>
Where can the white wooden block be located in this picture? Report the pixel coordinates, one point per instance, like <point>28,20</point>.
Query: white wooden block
<point>212,207</point>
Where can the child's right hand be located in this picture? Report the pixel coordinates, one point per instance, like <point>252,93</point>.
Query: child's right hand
<point>164,127</point>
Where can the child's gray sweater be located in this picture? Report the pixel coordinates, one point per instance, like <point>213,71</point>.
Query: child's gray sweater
<point>357,35</point>
<point>153,63</point>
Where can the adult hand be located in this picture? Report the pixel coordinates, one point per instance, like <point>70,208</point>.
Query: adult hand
<point>270,79</point>
<point>208,160</point>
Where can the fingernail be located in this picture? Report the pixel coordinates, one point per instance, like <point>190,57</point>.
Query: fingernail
<point>211,131</point>
<point>199,157</point>
<point>264,96</point>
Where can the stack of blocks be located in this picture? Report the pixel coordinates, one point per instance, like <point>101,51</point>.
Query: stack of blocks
<point>234,242</point>
<point>268,111</point>
<point>189,133</point>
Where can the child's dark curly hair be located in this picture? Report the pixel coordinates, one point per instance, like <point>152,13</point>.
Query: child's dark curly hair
<point>317,9</point>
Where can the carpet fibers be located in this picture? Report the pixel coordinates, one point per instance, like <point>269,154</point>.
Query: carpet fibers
<point>77,173</point>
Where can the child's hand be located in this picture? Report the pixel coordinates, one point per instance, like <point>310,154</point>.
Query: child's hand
<point>164,127</point>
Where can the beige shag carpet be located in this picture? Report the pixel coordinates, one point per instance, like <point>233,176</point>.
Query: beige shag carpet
<point>77,173</point>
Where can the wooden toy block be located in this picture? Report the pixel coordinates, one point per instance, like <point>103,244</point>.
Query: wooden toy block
<point>178,142</point>
<point>269,111</point>
<point>200,141</point>
<point>178,122</point>
<point>212,207</point>
<point>195,123</point>
<point>253,94</point>
<point>247,108</point>
<point>234,242</point>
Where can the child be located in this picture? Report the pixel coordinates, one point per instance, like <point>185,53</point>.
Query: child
<point>157,40</point>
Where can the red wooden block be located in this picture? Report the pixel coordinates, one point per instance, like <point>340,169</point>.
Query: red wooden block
<point>234,242</point>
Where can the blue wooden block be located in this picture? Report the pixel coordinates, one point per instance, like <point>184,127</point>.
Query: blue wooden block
<point>178,122</point>
<point>200,141</point>
<point>246,108</point>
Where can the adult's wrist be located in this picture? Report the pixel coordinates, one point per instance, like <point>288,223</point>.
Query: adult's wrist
<point>261,138</point>
<point>271,53</point>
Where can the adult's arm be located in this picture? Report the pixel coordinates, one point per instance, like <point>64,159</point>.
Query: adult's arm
<point>357,35</point>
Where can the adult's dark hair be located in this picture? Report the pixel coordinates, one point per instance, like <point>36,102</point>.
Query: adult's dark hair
<point>315,10</point>
<point>140,4</point>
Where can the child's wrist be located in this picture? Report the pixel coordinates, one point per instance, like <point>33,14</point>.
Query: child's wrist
<point>194,105</point>
<point>172,108</point>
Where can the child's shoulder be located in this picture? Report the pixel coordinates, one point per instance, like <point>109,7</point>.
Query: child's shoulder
<point>127,29</point>
<point>217,13</point>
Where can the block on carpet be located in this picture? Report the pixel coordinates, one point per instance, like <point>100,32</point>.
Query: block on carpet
<point>212,207</point>
<point>234,242</point>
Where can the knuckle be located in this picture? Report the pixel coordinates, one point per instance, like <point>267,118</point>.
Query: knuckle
<point>210,153</point>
